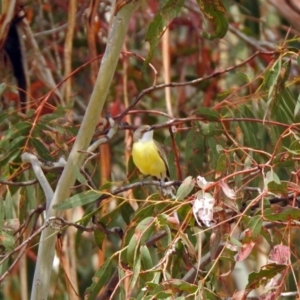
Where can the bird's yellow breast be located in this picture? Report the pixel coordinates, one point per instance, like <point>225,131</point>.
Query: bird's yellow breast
<point>146,157</point>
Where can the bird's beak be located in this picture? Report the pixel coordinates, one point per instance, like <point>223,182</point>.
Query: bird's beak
<point>146,130</point>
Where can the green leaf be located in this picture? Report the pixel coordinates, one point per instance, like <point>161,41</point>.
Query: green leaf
<point>79,176</point>
<point>211,129</point>
<point>17,143</point>
<point>2,88</point>
<point>78,200</point>
<point>2,217</point>
<point>145,229</point>
<point>235,242</point>
<point>278,188</point>
<point>9,206</point>
<point>271,77</point>
<point>222,166</point>
<point>214,11</point>
<point>278,95</point>
<point>168,10</point>
<point>6,241</point>
<point>266,234</point>
<point>146,258</point>
<point>185,188</point>
<point>142,232</point>
<point>30,195</point>
<point>106,186</point>
<point>100,279</point>
<point>282,214</point>
<point>266,273</point>
<point>297,107</point>
<point>157,291</point>
<point>252,133</point>
<point>134,244</point>
<point>144,212</point>
<point>194,152</point>
<point>126,211</point>
<point>47,118</point>
<point>283,111</point>
<point>112,216</point>
<point>9,157</point>
<point>298,59</point>
<point>208,113</point>
<point>99,237</point>
<point>18,130</point>
<point>178,284</point>
<point>255,224</point>
<point>135,270</point>
<point>3,117</point>
<point>40,148</point>
<point>272,176</point>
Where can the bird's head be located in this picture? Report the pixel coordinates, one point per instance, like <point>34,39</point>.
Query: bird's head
<point>143,133</point>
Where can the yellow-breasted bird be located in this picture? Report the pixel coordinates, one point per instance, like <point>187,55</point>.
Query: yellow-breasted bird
<point>148,156</point>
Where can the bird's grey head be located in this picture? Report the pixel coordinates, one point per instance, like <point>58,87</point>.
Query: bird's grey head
<point>138,134</point>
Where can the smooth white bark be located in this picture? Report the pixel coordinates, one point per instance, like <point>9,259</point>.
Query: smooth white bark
<point>107,69</point>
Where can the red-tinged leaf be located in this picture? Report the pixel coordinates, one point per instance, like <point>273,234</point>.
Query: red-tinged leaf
<point>227,190</point>
<point>245,250</point>
<point>280,254</point>
<point>240,295</point>
<point>173,220</point>
<point>214,11</point>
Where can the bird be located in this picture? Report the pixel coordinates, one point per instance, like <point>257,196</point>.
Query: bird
<point>149,158</point>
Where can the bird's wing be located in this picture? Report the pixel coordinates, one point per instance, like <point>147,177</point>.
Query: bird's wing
<point>162,154</point>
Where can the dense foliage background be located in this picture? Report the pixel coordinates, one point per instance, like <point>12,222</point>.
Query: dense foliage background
<point>219,80</point>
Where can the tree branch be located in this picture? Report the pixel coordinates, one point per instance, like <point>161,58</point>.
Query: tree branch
<point>108,66</point>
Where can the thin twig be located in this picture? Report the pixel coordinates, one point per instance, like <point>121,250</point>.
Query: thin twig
<point>195,81</point>
<point>20,183</point>
<point>46,224</point>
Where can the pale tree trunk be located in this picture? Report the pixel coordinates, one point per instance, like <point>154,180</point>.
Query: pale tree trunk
<point>108,65</point>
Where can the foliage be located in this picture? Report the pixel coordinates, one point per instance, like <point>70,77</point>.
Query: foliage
<point>232,146</point>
